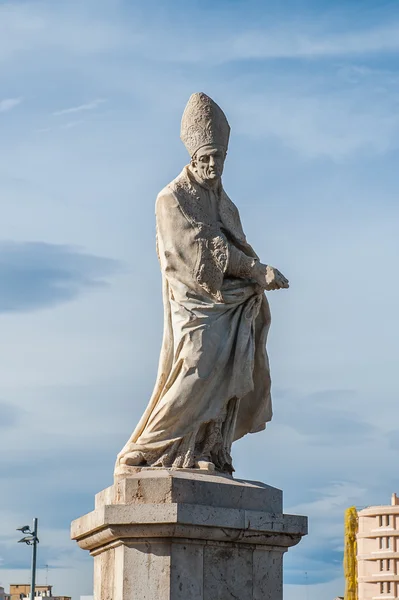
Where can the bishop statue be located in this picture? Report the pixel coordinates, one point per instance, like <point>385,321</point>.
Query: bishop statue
<point>213,382</point>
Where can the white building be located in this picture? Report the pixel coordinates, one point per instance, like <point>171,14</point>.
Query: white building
<point>378,552</point>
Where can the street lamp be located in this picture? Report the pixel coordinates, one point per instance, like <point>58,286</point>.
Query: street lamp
<point>31,540</point>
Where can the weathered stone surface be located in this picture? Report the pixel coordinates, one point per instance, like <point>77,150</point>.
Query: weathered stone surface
<point>144,571</point>
<point>166,486</point>
<point>267,574</point>
<point>228,572</point>
<point>157,547</point>
<point>104,574</point>
<point>187,574</point>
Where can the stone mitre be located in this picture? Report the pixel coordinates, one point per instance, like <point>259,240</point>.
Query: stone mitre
<point>203,123</point>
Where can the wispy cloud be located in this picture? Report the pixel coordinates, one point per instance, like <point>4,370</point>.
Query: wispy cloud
<point>24,28</point>
<point>81,108</point>
<point>346,112</point>
<point>319,38</point>
<point>299,41</point>
<point>9,103</point>
<point>72,124</point>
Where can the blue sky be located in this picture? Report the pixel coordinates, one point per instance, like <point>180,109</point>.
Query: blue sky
<point>91,96</point>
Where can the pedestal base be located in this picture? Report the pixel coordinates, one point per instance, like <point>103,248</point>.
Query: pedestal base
<point>175,535</point>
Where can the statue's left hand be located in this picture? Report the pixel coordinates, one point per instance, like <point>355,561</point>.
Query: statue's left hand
<point>275,280</point>
<point>269,277</point>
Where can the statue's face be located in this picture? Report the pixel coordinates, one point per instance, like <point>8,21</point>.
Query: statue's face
<point>208,163</point>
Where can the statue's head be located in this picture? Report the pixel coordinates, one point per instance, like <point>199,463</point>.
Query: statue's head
<point>208,163</point>
<point>205,132</point>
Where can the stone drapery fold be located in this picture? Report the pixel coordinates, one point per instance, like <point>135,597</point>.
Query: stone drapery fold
<point>213,383</point>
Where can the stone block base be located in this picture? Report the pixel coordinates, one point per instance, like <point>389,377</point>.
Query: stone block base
<point>176,535</point>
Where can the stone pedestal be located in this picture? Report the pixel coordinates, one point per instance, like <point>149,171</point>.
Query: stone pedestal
<point>179,535</point>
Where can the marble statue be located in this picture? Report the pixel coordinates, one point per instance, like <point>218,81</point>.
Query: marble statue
<point>213,383</point>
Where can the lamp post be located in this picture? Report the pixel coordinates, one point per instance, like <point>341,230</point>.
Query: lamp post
<point>31,540</point>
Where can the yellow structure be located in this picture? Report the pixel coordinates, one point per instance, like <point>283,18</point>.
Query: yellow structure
<point>350,554</point>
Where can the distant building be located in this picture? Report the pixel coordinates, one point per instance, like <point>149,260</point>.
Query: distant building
<point>378,552</point>
<point>18,591</point>
<point>3,595</point>
<point>22,590</point>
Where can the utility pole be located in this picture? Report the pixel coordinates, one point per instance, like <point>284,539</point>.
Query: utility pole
<point>34,559</point>
<point>31,540</point>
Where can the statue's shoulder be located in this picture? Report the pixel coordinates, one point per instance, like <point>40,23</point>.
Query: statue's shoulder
<point>173,189</point>
<point>177,194</point>
<point>181,184</point>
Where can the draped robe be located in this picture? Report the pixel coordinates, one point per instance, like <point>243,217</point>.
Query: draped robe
<point>213,383</point>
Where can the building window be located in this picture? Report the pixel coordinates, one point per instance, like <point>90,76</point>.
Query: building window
<point>380,520</point>
<point>381,565</point>
<point>387,520</point>
<point>388,587</point>
<point>381,587</point>
<point>388,564</point>
<point>388,542</point>
<point>380,542</point>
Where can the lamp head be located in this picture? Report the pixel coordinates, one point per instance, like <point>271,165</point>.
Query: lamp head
<point>24,529</point>
<point>26,540</point>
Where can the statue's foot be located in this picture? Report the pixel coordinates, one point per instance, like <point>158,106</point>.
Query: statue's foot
<point>133,459</point>
<point>205,465</point>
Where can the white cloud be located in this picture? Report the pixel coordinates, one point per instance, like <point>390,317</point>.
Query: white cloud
<point>81,108</point>
<point>9,103</point>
